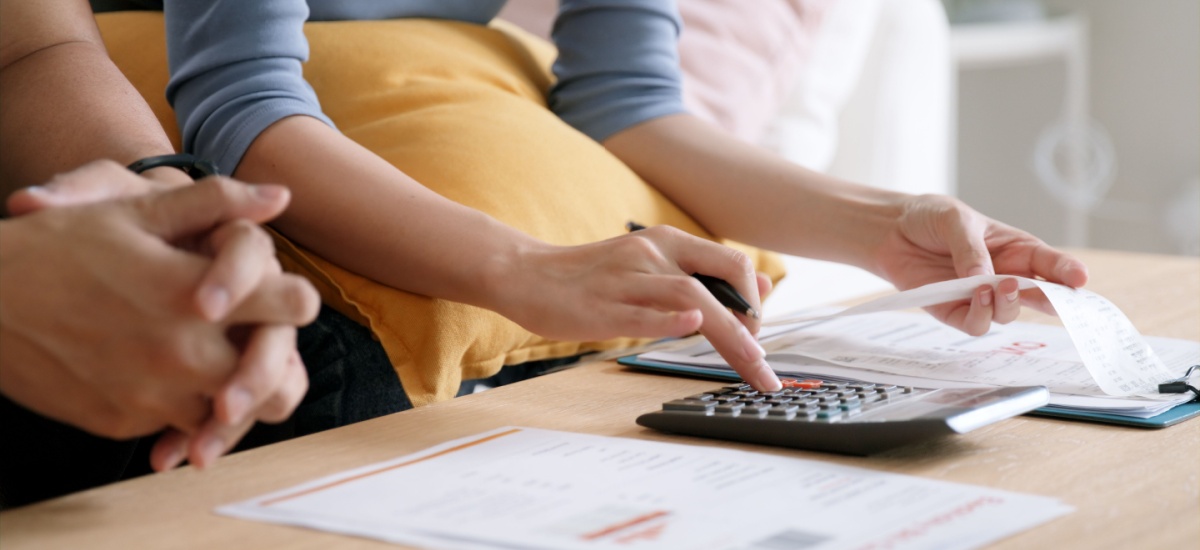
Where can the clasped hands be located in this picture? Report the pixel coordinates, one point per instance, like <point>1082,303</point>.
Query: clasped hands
<point>130,307</point>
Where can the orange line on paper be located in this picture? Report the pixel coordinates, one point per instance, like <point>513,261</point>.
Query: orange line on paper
<point>624,525</point>
<point>335,483</point>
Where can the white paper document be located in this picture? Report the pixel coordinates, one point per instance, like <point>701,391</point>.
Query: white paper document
<point>1113,352</point>
<point>914,349</point>
<point>1097,361</point>
<point>538,489</point>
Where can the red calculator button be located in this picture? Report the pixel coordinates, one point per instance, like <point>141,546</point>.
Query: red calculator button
<point>806,384</point>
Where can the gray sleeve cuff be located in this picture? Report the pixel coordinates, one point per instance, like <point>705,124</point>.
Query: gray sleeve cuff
<point>618,64</point>
<point>235,70</point>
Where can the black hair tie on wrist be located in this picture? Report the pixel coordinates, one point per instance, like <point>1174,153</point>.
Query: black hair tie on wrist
<point>194,167</point>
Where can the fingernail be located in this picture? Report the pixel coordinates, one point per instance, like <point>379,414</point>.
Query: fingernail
<point>268,193</point>
<point>1012,296</point>
<point>751,350</point>
<point>214,301</point>
<point>39,190</point>
<point>765,379</point>
<point>985,297</point>
<point>237,404</point>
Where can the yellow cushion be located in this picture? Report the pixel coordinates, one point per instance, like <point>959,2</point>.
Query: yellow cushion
<point>461,108</point>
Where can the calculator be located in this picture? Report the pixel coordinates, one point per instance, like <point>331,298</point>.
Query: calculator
<point>855,418</point>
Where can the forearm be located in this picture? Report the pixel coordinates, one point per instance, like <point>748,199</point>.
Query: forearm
<point>65,102</point>
<point>354,209</point>
<point>741,192</point>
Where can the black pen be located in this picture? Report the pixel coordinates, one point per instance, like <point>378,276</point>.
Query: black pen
<point>723,291</point>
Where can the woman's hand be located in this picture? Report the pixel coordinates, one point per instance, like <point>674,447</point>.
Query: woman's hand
<point>636,285</point>
<point>938,238</point>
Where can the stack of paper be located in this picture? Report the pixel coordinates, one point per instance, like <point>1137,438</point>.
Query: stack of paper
<point>1097,362</point>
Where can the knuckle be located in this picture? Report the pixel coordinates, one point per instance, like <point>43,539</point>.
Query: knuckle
<point>639,245</point>
<point>741,259</point>
<point>685,286</point>
<point>300,298</point>
<point>280,406</point>
<point>204,356</point>
<point>221,188</point>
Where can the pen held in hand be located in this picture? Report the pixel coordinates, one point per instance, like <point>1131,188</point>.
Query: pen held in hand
<point>723,291</point>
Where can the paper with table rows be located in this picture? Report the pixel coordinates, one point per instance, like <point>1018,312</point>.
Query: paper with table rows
<point>1096,361</point>
<point>539,489</point>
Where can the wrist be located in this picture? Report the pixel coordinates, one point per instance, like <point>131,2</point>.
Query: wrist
<point>858,220</point>
<point>503,276</point>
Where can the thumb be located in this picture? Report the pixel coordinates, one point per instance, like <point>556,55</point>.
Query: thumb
<point>212,201</point>
<point>968,251</point>
<point>93,182</point>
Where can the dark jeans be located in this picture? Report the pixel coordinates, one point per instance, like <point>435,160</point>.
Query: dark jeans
<point>350,380</point>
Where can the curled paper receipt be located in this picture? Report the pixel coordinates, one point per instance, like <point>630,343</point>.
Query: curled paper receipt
<point>1112,350</point>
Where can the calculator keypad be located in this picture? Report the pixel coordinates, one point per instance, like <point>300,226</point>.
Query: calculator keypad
<point>806,400</point>
<point>845,417</point>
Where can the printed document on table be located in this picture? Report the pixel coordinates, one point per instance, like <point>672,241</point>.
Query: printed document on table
<point>540,489</point>
<point>1097,361</point>
<point>914,349</point>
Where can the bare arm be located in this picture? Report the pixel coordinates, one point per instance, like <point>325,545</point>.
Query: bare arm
<point>360,212</point>
<point>355,209</point>
<point>744,193</point>
<point>741,192</point>
<point>64,101</point>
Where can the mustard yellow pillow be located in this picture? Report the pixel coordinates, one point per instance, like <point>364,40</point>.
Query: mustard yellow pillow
<point>461,108</point>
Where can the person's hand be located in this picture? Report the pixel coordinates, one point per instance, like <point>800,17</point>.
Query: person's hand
<point>637,285</point>
<point>91,185</point>
<point>137,348</point>
<point>938,238</point>
<point>248,397</point>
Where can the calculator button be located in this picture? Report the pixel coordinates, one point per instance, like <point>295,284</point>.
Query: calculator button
<point>689,405</point>
<point>729,407</point>
<point>701,396</point>
<point>831,414</point>
<point>851,405</point>
<point>807,384</point>
<point>755,410</point>
<point>783,410</point>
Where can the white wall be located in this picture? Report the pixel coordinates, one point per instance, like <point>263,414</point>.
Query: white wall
<point>1145,90</point>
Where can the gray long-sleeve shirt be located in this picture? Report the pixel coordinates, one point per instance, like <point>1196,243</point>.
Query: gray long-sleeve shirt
<point>236,64</point>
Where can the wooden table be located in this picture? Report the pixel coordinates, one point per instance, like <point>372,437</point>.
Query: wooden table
<point>1132,487</point>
